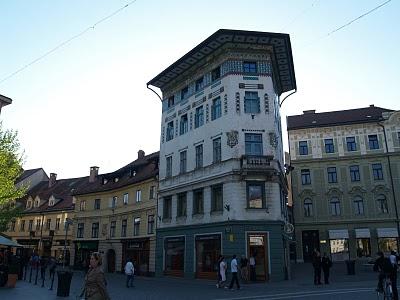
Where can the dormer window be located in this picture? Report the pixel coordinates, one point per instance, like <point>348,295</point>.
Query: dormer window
<point>51,202</point>
<point>133,173</point>
<point>37,203</point>
<point>116,179</point>
<point>29,204</point>
<point>105,180</point>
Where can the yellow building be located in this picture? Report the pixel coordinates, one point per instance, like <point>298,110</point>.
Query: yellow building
<point>47,205</point>
<point>115,214</point>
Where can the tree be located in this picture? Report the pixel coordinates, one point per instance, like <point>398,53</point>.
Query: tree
<point>10,169</point>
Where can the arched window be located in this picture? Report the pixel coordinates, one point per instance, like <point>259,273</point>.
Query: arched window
<point>382,204</point>
<point>358,205</point>
<point>335,206</point>
<point>308,207</point>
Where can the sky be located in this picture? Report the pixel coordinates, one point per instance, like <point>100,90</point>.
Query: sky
<point>86,103</point>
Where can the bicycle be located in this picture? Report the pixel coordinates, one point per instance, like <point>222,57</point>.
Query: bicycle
<point>387,293</point>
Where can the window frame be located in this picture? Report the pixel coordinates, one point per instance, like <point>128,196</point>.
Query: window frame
<point>216,111</point>
<point>183,162</point>
<point>138,196</point>
<point>113,226</point>
<point>150,224</point>
<point>181,205</point>
<point>198,201</point>
<point>383,206</point>
<point>253,144</point>
<point>217,198</point>
<point>260,184</point>
<point>136,226</point>
<point>199,117</point>
<point>334,202</point>
<point>356,205</point>
<point>97,204</point>
<point>351,143</point>
<point>183,124</point>
<point>377,171</point>
<point>80,230</point>
<point>305,176</point>
<point>217,149</point>
<point>124,227</point>
<point>332,174</point>
<point>95,230</point>
<point>303,149</point>
<point>251,103</point>
<point>199,152</point>
<point>199,84</point>
<point>216,74</point>
<point>168,167</point>
<point>170,131</point>
<point>250,67</point>
<point>308,208</point>
<point>167,210</point>
<point>373,142</point>
<point>329,147</point>
<point>355,175</point>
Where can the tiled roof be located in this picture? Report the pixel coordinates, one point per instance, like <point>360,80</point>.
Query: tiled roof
<point>139,170</point>
<point>310,119</point>
<point>27,173</point>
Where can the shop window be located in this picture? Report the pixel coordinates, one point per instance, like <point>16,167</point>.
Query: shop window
<point>308,207</point>
<point>208,249</point>
<point>387,244</point>
<point>174,255</point>
<point>339,249</point>
<point>255,195</point>
<point>363,247</point>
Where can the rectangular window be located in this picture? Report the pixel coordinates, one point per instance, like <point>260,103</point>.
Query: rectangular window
<point>199,117</point>
<point>199,83</point>
<point>251,103</point>
<point>250,67</point>
<point>167,208</point>
<point>216,74</point>
<point>126,198</point>
<point>136,226</point>
<point>373,142</point>
<point>95,230</point>
<point>216,109</point>
<point>82,205</point>
<point>150,224</point>
<point>138,195</point>
<point>354,173</point>
<point>329,146</point>
<point>217,199</point>
<point>124,227</point>
<point>181,205</point>
<point>199,156</point>
<point>169,167</point>
<point>114,202</point>
<point>305,177</point>
<point>79,232</point>
<point>303,148</point>
<point>58,221</point>
<point>253,143</point>
<point>377,171</point>
<point>183,127</point>
<point>30,225</point>
<point>332,175</point>
<point>217,150</point>
<point>184,93</point>
<point>171,101</point>
<point>170,131</point>
<point>96,204</point>
<point>255,195</point>
<point>351,143</point>
<point>38,223</point>
<point>198,202</point>
<point>48,224</point>
<point>183,161</point>
<point>113,225</point>
<point>12,225</point>
<point>22,226</point>
<point>152,192</point>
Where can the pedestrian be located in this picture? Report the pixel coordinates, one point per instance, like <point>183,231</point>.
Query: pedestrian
<point>252,263</point>
<point>244,268</point>
<point>393,274</point>
<point>95,282</point>
<point>129,272</point>
<point>326,264</point>
<point>52,264</point>
<point>317,267</point>
<point>234,270</point>
<point>221,272</point>
<point>43,267</point>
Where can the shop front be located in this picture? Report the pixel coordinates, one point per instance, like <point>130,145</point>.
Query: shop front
<point>208,249</point>
<point>30,245</point>
<point>138,250</point>
<point>83,250</point>
<point>174,256</point>
<point>257,247</point>
<point>363,242</point>
<point>387,239</point>
<point>339,244</point>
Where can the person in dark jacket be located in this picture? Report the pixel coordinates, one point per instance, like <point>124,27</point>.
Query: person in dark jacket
<point>326,264</point>
<point>316,262</point>
<point>384,267</point>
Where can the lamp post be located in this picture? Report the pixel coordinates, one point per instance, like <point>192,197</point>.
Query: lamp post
<point>68,222</point>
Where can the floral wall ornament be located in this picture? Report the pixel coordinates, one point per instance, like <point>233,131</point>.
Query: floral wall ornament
<point>273,139</point>
<point>232,138</point>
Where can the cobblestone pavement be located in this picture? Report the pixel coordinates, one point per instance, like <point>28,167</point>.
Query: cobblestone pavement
<point>359,286</point>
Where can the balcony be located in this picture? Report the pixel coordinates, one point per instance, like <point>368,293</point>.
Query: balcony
<point>258,164</point>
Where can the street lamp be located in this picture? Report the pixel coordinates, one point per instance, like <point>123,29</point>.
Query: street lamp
<point>68,222</point>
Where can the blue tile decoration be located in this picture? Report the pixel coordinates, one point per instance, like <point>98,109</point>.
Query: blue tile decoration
<point>237,98</point>
<point>199,94</point>
<point>162,134</point>
<point>266,103</point>
<point>250,78</point>
<point>207,79</point>
<point>207,114</point>
<point>216,84</point>
<point>176,127</point>
<point>225,104</point>
<point>191,121</point>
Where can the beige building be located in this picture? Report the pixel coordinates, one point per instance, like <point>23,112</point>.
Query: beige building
<point>46,207</point>
<point>115,214</point>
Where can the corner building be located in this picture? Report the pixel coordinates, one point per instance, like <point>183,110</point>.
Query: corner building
<point>222,188</point>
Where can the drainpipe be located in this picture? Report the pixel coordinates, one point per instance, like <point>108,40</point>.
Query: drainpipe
<point>391,184</point>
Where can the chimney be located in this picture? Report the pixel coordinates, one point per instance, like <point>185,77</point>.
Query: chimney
<point>94,171</point>
<point>310,111</point>
<point>140,154</point>
<point>52,179</point>
<point>371,105</point>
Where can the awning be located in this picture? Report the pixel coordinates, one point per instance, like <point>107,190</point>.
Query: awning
<point>338,234</point>
<point>362,233</point>
<point>8,243</point>
<point>387,232</point>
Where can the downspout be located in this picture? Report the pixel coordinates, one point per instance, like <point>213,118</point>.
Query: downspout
<point>391,183</point>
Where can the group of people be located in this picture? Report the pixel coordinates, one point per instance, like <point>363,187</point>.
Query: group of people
<point>319,263</point>
<point>243,266</point>
<point>387,267</point>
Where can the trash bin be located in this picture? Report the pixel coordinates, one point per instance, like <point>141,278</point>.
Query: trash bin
<point>351,268</point>
<point>64,283</point>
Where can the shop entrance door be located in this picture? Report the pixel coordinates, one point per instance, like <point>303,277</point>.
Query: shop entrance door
<point>310,241</point>
<point>257,246</point>
<point>111,261</point>
<point>208,249</point>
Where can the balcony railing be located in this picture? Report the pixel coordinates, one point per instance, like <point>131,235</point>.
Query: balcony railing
<point>256,161</point>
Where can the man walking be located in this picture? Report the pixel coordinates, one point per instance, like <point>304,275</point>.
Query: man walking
<point>234,270</point>
<point>129,271</point>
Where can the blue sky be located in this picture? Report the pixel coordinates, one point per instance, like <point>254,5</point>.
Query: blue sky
<point>87,103</point>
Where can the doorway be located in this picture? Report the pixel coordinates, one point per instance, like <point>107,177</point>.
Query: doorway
<point>111,261</point>
<point>257,246</point>
<point>310,241</point>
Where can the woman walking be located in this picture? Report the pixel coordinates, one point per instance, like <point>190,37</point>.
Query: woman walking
<point>222,272</point>
<point>95,282</point>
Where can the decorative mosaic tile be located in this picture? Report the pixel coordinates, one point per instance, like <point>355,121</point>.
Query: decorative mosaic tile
<point>176,127</point>
<point>191,120</point>
<point>266,103</point>
<point>162,134</point>
<point>225,104</point>
<point>237,98</point>
<point>207,114</point>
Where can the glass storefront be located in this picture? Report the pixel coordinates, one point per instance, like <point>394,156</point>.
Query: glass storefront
<point>174,256</point>
<point>387,244</point>
<point>139,252</point>
<point>339,249</point>
<point>363,247</point>
<point>83,250</point>
<point>208,249</point>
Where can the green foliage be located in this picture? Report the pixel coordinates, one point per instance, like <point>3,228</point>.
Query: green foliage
<point>10,169</point>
